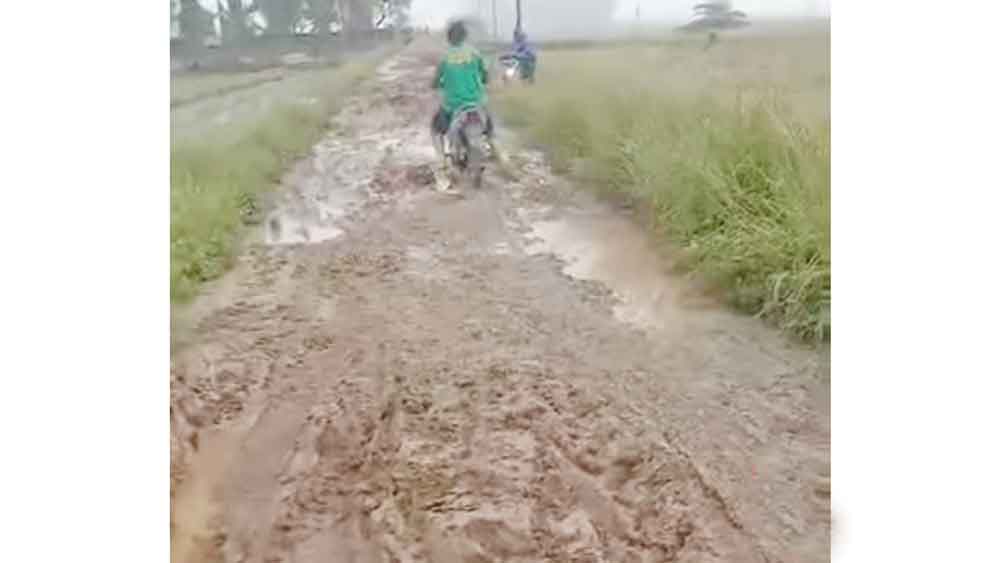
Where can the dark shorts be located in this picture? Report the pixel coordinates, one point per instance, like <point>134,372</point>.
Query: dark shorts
<point>440,122</point>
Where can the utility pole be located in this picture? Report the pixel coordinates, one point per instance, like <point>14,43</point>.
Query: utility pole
<point>637,29</point>
<point>496,28</point>
<point>517,26</point>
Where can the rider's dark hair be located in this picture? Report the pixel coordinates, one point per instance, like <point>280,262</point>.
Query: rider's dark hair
<point>457,32</point>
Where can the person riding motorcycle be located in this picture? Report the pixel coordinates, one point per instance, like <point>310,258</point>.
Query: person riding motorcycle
<point>462,77</point>
<point>525,55</point>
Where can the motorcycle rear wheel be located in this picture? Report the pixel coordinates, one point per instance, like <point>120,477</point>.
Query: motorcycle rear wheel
<point>475,161</point>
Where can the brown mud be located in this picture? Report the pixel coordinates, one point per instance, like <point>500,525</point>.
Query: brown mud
<point>395,375</point>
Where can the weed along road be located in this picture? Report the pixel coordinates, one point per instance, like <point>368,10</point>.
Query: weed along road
<point>392,374</point>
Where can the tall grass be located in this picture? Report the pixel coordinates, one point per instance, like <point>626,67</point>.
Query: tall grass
<point>729,148</point>
<point>216,179</point>
<point>189,88</point>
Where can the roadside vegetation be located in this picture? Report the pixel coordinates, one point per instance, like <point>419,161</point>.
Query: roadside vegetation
<point>727,148</point>
<point>232,134</point>
<point>187,88</point>
<point>218,175</point>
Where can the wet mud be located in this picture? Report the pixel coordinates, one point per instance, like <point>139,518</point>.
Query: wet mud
<point>395,375</point>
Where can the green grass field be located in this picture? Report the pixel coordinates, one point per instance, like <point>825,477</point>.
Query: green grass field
<point>729,149</point>
<point>220,167</point>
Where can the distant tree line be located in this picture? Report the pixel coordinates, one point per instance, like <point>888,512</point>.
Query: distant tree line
<point>238,21</point>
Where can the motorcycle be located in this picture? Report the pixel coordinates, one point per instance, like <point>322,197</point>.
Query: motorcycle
<point>513,68</point>
<point>465,145</point>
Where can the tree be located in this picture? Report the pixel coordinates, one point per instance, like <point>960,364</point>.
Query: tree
<point>716,16</point>
<point>322,13</point>
<point>395,12</point>
<point>175,12</point>
<point>281,15</point>
<point>386,10</point>
<point>358,17</point>
<point>234,20</point>
<point>401,12</point>
<point>194,22</point>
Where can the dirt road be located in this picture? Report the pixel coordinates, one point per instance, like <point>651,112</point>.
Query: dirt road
<point>395,375</point>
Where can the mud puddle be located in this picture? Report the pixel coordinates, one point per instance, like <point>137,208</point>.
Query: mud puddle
<point>321,193</point>
<point>596,243</point>
<point>351,168</point>
<point>613,251</point>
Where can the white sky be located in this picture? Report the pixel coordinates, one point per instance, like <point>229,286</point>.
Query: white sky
<point>436,12</point>
<point>681,10</point>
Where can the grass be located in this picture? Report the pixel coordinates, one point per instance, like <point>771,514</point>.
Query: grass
<point>218,176</point>
<point>728,148</point>
<point>189,88</point>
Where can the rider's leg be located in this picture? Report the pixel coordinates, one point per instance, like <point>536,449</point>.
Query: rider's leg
<point>437,137</point>
<point>528,68</point>
<point>491,138</point>
<point>440,122</point>
<point>439,132</point>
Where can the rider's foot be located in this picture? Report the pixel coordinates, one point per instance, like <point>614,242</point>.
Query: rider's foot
<point>443,180</point>
<point>496,154</point>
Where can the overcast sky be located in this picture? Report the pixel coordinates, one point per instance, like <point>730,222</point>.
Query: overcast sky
<point>436,12</point>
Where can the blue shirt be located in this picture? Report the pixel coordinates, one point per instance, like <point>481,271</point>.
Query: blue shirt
<point>523,50</point>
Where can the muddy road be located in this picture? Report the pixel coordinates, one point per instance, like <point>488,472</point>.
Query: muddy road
<point>396,375</point>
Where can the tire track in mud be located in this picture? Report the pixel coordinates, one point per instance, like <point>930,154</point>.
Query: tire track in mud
<point>408,381</point>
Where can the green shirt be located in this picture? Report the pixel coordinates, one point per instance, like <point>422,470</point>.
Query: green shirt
<point>462,76</point>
